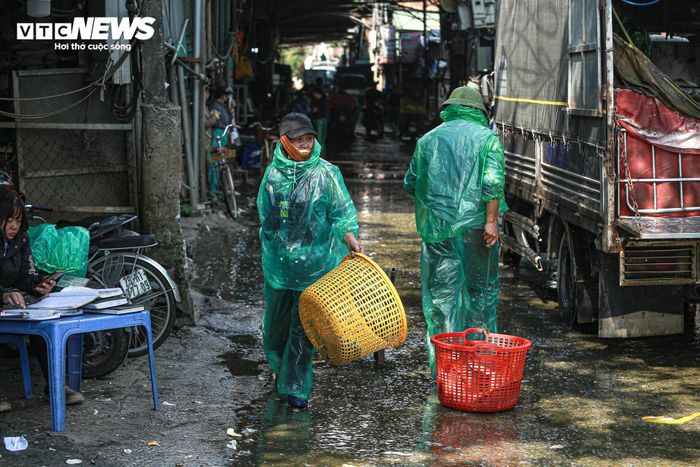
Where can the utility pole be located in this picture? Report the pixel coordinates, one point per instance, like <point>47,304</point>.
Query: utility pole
<point>425,55</point>
<point>161,159</point>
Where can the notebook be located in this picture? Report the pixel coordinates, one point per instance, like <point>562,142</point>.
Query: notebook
<point>101,293</point>
<point>106,303</point>
<point>65,299</point>
<point>118,310</point>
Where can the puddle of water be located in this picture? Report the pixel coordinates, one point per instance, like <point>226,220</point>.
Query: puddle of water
<point>245,340</point>
<point>239,366</point>
<point>229,265</point>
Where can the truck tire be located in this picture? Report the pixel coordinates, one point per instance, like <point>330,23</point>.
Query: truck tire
<point>566,285</point>
<point>576,283</point>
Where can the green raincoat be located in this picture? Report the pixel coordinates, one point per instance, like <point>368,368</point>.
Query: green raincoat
<point>305,211</point>
<point>456,169</point>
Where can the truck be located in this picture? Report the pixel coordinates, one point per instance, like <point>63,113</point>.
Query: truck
<point>597,104</point>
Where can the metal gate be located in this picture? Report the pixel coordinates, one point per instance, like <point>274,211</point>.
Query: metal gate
<point>70,152</point>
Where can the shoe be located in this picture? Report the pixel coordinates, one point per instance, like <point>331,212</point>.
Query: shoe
<point>297,403</point>
<point>5,406</point>
<point>72,397</point>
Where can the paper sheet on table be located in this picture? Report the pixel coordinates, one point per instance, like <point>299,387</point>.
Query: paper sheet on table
<point>31,315</point>
<point>68,298</point>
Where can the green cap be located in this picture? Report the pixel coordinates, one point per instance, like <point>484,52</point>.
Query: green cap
<point>465,95</point>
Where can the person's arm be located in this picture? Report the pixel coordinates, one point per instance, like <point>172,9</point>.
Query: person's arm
<point>263,201</point>
<point>210,117</point>
<point>342,213</point>
<point>493,182</point>
<point>353,243</point>
<point>491,226</point>
<point>29,279</point>
<point>13,297</point>
<point>493,175</point>
<point>409,180</point>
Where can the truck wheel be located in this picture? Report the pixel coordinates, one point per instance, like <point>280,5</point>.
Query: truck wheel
<point>566,285</point>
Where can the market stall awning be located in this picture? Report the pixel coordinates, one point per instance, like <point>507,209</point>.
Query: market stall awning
<point>318,20</point>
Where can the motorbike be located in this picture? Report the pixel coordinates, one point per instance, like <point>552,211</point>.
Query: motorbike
<point>115,259</point>
<point>373,120</point>
<point>344,110</point>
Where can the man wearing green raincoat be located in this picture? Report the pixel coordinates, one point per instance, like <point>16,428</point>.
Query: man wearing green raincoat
<point>309,224</point>
<point>456,180</point>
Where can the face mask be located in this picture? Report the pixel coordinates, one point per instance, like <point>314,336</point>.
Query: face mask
<point>294,153</point>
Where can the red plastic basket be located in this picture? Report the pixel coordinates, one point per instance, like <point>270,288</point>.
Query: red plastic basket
<point>479,376</point>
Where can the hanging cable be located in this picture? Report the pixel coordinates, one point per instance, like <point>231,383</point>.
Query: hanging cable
<point>97,84</point>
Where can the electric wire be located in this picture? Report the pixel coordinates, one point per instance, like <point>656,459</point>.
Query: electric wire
<point>97,84</point>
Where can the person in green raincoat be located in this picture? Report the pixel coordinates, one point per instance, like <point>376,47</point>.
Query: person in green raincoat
<point>308,224</point>
<point>456,179</point>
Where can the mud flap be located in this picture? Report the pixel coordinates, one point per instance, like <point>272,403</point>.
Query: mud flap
<point>636,311</point>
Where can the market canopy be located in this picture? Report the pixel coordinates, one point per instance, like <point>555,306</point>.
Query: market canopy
<point>318,20</point>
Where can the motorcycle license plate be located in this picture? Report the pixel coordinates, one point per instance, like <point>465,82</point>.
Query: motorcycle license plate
<point>135,284</point>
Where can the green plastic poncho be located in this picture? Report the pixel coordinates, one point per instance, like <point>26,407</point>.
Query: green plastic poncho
<point>456,169</point>
<point>305,211</point>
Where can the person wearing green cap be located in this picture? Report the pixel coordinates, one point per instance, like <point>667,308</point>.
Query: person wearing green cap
<point>456,179</point>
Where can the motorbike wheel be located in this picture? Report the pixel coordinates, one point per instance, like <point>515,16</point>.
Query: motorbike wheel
<point>103,352</point>
<point>160,301</point>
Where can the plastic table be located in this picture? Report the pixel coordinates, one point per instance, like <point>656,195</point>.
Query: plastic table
<point>68,330</point>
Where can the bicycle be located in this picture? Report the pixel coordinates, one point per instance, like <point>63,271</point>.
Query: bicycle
<point>269,138</point>
<point>224,160</point>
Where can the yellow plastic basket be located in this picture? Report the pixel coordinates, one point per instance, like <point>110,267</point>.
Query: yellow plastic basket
<point>353,311</point>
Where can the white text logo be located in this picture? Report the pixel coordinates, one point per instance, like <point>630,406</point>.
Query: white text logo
<point>96,29</point>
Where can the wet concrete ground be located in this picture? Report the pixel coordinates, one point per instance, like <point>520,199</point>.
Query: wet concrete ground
<point>581,401</point>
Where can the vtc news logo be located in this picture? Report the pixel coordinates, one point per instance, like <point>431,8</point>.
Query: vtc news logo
<point>92,28</point>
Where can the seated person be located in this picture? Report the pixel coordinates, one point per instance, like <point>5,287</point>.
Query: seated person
<point>19,276</point>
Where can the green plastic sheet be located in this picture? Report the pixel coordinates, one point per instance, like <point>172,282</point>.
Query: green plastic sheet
<point>63,249</point>
<point>456,169</point>
<point>305,211</point>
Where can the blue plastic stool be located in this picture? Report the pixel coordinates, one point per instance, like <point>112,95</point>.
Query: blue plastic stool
<point>18,341</point>
<point>68,330</point>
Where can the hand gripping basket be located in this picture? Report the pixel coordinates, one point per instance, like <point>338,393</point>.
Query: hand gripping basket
<point>479,376</point>
<point>353,311</point>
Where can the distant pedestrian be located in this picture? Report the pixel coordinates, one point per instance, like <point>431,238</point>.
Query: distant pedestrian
<point>456,179</point>
<point>301,103</point>
<point>308,224</point>
<point>320,113</point>
<point>218,107</point>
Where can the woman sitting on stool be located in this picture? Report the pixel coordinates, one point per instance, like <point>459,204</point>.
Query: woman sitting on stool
<point>19,276</point>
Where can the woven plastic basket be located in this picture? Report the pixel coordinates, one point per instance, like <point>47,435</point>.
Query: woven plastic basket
<point>353,311</point>
<point>479,376</point>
